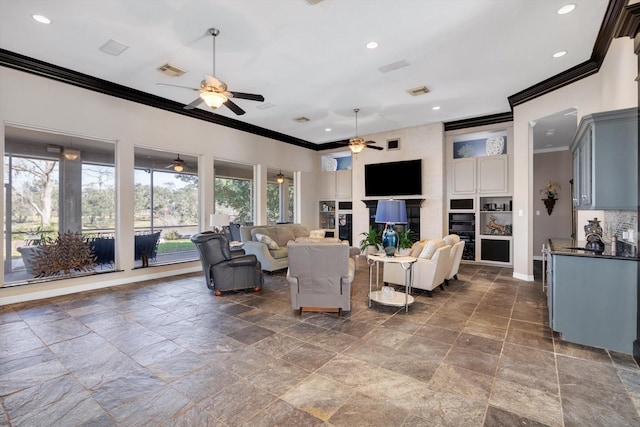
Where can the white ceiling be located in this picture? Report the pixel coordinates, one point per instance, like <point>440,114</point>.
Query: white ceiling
<point>311,60</point>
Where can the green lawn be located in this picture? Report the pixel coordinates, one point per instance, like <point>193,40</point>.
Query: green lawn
<point>175,246</point>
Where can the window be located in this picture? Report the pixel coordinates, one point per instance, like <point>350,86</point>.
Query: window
<point>234,193</point>
<point>279,198</point>
<point>55,183</point>
<point>166,207</point>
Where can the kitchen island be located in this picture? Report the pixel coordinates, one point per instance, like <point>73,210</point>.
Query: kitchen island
<point>593,297</point>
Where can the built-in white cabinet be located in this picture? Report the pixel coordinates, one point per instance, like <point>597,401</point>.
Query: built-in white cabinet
<point>343,184</point>
<point>492,174</point>
<point>481,175</point>
<point>464,176</point>
<point>479,189</point>
<point>335,184</point>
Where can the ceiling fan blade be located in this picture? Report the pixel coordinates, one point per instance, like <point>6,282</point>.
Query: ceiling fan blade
<point>374,147</point>
<point>249,96</point>
<point>194,104</point>
<point>182,87</point>
<point>234,107</point>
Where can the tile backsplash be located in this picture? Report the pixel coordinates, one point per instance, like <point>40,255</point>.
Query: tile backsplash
<point>620,221</point>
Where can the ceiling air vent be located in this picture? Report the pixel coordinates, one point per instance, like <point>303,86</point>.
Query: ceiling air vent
<point>393,66</point>
<point>113,47</point>
<point>171,70</point>
<point>265,106</point>
<point>302,119</point>
<point>418,91</point>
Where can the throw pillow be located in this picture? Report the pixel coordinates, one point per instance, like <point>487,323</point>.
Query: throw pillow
<point>284,233</point>
<point>452,239</point>
<point>267,241</point>
<point>431,247</point>
<point>316,234</point>
<point>416,248</point>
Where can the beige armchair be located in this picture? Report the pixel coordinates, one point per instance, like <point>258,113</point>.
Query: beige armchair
<point>457,247</point>
<point>320,276</point>
<point>429,271</point>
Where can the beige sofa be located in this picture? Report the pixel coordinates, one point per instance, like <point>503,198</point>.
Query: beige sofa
<point>269,242</point>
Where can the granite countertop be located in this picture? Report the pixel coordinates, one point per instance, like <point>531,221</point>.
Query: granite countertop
<point>623,251</point>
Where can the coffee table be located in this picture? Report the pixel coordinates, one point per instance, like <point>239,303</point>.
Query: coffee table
<point>400,298</point>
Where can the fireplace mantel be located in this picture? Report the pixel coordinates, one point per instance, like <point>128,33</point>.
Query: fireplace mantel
<point>411,203</point>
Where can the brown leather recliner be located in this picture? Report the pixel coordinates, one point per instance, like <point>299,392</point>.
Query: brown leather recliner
<point>222,270</point>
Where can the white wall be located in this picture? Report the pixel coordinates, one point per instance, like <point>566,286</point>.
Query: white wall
<point>29,100</point>
<point>612,88</point>
<point>421,142</point>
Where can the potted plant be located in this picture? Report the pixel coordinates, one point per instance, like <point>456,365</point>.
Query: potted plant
<point>34,241</point>
<point>371,242</point>
<point>405,241</point>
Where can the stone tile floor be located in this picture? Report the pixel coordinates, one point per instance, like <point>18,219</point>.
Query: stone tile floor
<point>169,353</point>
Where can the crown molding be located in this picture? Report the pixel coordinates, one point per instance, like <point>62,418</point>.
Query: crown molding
<point>26,64</point>
<point>629,24</point>
<point>479,121</point>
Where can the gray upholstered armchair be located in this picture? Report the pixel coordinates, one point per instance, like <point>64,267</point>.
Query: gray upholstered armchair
<point>222,271</point>
<point>320,276</point>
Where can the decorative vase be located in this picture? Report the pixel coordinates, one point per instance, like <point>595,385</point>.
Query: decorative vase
<point>593,227</point>
<point>389,240</point>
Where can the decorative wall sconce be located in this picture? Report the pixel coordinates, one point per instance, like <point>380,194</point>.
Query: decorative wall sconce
<point>550,190</point>
<point>549,204</point>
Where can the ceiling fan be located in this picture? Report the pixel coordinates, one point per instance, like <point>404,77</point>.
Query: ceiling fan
<point>357,144</point>
<point>177,164</point>
<point>214,92</point>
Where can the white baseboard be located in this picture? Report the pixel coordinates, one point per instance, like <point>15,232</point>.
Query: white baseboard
<point>525,277</point>
<point>24,293</point>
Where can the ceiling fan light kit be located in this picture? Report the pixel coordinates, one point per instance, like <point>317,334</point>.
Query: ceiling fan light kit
<point>356,145</point>
<point>213,99</point>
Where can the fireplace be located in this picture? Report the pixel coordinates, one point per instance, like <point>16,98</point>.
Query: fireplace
<point>413,216</point>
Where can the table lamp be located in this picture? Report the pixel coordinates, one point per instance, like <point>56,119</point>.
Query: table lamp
<point>219,221</point>
<point>391,212</point>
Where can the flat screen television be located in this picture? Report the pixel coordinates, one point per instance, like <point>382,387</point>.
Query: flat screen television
<point>393,179</point>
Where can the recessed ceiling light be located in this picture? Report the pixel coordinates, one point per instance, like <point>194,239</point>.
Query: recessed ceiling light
<point>567,8</point>
<point>436,108</point>
<point>41,19</point>
<point>560,54</point>
<point>372,45</point>
<point>327,130</point>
